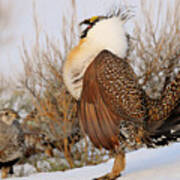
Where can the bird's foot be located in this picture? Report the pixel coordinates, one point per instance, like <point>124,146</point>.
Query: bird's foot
<point>118,167</point>
<point>109,176</point>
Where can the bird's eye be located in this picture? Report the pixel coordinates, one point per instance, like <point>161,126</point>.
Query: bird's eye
<point>89,27</point>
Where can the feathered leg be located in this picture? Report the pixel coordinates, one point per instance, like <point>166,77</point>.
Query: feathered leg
<point>118,167</point>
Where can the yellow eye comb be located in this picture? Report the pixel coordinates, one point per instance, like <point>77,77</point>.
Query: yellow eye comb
<point>94,18</point>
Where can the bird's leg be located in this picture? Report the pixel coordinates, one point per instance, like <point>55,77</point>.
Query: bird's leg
<point>4,172</point>
<point>118,167</point>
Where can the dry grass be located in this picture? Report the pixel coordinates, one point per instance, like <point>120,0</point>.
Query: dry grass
<point>55,110</point>
<point>156,44</point>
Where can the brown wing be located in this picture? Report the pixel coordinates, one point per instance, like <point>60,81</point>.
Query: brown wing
<point>110,94</point>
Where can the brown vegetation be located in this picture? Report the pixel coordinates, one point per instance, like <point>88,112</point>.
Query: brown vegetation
<point>55,111</point>
<point>156,44</point>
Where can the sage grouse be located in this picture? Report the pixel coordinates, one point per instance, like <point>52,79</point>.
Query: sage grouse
<point>16,142</point>
<point>11,140</point>
<point>114,110</point>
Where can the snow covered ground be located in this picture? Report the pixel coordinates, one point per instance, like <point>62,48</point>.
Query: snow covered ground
<point>144,164</point>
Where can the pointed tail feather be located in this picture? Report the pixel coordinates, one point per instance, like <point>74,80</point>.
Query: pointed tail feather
<point>163,122</point>
<point>169,131</point>
<point>162,109</point>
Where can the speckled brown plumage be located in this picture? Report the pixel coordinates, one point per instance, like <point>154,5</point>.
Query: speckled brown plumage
<point>109,103</point>
<point>161,109</point>
<point>116,112</point>
<point>11,139</point>
<point>16,141</point>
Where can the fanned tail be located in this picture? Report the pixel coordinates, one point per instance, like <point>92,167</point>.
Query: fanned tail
<point>169,131</point>
<point>159,110</point>
<point>163,123</point>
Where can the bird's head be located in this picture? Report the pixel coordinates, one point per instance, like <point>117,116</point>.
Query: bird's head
<point>9,116</point>
<point>90,23</point>
<point>107,32</point>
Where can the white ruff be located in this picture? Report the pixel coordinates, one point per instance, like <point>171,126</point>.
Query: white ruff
<point>106,34</point>
<point>109,34</point>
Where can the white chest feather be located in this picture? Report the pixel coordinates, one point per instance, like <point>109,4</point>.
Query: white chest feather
<point>106,34</point>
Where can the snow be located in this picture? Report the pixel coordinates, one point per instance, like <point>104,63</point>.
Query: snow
<point>144,164</point>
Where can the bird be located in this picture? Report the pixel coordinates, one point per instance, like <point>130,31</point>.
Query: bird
<point>17,142</point>
<point>114,110</point>
<point>11,140</point>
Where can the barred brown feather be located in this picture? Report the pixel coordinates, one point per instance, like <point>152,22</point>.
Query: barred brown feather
<point>115,111</point>
<point>110,95</point>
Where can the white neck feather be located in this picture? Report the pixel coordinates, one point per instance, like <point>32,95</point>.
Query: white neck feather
<point>106,34</point>
<point>109,34</point>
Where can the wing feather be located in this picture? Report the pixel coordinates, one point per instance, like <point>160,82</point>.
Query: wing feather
<point>110,94</point>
